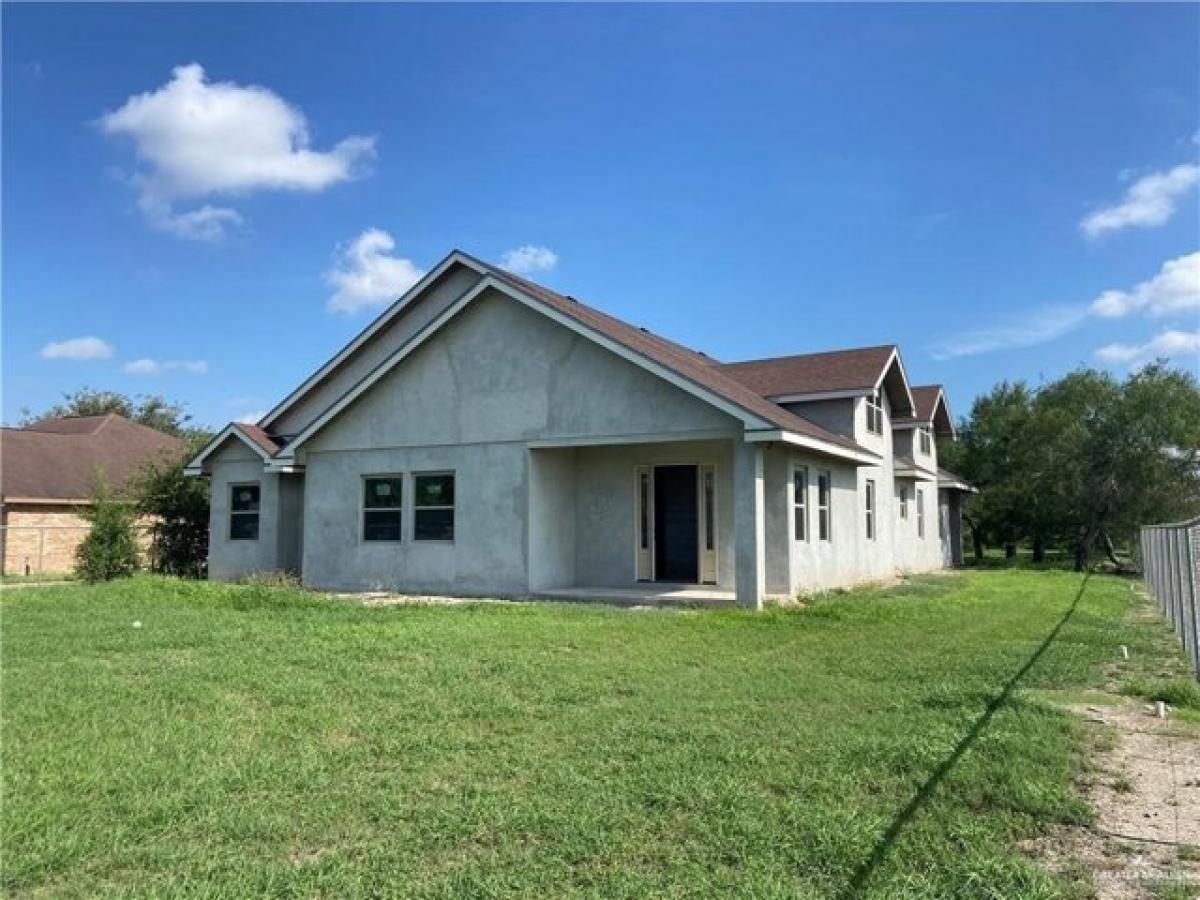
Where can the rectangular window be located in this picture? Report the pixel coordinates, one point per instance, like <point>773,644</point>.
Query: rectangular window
<point>433,507</point>
<point>800,502</point>
<point>870,502</point>
<point>710,508</point>
<point>920,513</point>
<point>926,441</point>
<point>243,512</point>
<point>824,525</point>
<point>644,510</point>
<point>382,507</point>
<point>875,413</point>
<point>904,501</point>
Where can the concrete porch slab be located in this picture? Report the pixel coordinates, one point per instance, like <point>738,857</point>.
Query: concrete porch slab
<point>699,595</point>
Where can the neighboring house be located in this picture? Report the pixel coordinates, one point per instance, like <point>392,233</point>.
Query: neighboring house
<point>487,436</point>
<point>48,473</point>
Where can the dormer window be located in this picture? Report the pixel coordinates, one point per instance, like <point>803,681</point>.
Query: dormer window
<point>875,413</point>
<point>926,441</point>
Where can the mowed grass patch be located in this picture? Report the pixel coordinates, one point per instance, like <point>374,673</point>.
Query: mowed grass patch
<point>251,740</point>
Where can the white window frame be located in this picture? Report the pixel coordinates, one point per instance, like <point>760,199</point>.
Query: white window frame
<point>364,509</point>
<point>870,499</point>
<point>825,509</point>
<point>903,491</point>
<point>800,524</point>
<point>257,513</point>
<point>436,473</point>
<point>925,441</point>
<point>920,499</point>
<point>874,404</point>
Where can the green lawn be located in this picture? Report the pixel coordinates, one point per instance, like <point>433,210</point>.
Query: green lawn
<point>255,740</point>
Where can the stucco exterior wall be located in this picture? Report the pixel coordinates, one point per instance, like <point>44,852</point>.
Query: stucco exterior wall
<point>606,508</point>
<point>453,284</point>
<point>471,399</point>
<point>228,559</point>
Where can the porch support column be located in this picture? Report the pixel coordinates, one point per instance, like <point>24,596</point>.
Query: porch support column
<point>749,529</point>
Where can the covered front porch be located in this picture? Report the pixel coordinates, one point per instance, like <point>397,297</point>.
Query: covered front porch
<point>649,520</point>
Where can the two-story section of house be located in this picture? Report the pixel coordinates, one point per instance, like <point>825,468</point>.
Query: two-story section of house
<point>488,436</point>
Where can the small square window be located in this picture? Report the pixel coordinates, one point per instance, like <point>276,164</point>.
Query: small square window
<point>433,507</point>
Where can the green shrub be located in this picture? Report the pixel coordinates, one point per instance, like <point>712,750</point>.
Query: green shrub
<point>110,548</point>
<point>177,505</point>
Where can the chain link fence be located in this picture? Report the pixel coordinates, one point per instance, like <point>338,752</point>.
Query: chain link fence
<point>1171,567</point>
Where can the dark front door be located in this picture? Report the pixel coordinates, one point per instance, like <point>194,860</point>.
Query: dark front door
<point>676,547</point>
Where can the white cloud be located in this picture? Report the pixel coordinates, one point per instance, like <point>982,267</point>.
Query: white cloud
<point>80,348</point>
<point>251,418</point>
<point>195,139</point>
<point>1175,289</point>
<point>1034,328</point>
<point>529,259</point>
<point>367,275</point>
<point>1149,201</point>
<point>157,367</point>
<point>1168,344</point>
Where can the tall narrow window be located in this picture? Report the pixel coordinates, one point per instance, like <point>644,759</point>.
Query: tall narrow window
<point>382,495</point>
<point>243,512</point>
<point>800,502</point>
<point>926,441</point>
<point>870,507</point>
<point>920,513</point>
<point>904,501</point>
<point>433,507</point>
<point>824,524</point>
<point>875,413</point>
<point>710,509</point>
<point>644,510</point>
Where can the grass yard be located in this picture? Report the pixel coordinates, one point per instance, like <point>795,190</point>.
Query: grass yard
<point>251,740</point>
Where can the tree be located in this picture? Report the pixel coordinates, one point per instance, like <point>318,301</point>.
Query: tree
<point>177,506</point>
<point>110,548</point>
<point>1084,461</point>
<point>150,410</point>
<point>1123,454</point>
<point>994,453</point>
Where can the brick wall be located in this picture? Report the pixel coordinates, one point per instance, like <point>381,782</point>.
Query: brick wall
<point>41,539</point>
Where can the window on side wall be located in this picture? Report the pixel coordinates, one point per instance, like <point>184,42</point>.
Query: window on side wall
<point>824,502</point>
<point>433,506</point>
<point>920,513</point>
<point>382,505</point>
<point>875,413</point>
<point>243,512</point>
<point>926,441</point>
<point>904,501</point>
<point>800,503</point>
<point>870,509</point>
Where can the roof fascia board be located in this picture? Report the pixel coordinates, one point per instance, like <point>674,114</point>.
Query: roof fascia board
<point>196,464</point>
<point>658,437</point>
<point>894,358</point>
<point>821,395</point>
<point>288,453</point>
<point>668,375</point>
<point>367,333</point>
<point>862,457</point>
<point>490,281</point>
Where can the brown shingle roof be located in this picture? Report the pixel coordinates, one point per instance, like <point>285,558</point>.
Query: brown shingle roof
<point>853,369</point>
<point>695,367</point>
<point>259,437</point>
<point>57,459</point>
<point>926,397</point>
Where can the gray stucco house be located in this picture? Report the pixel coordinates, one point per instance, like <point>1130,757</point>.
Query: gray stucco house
<point>487,436</point>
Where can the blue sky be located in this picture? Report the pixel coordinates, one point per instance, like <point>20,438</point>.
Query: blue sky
<point>1005,191</point>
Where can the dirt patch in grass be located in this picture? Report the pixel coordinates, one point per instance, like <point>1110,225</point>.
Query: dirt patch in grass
<point>1143,782</point>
